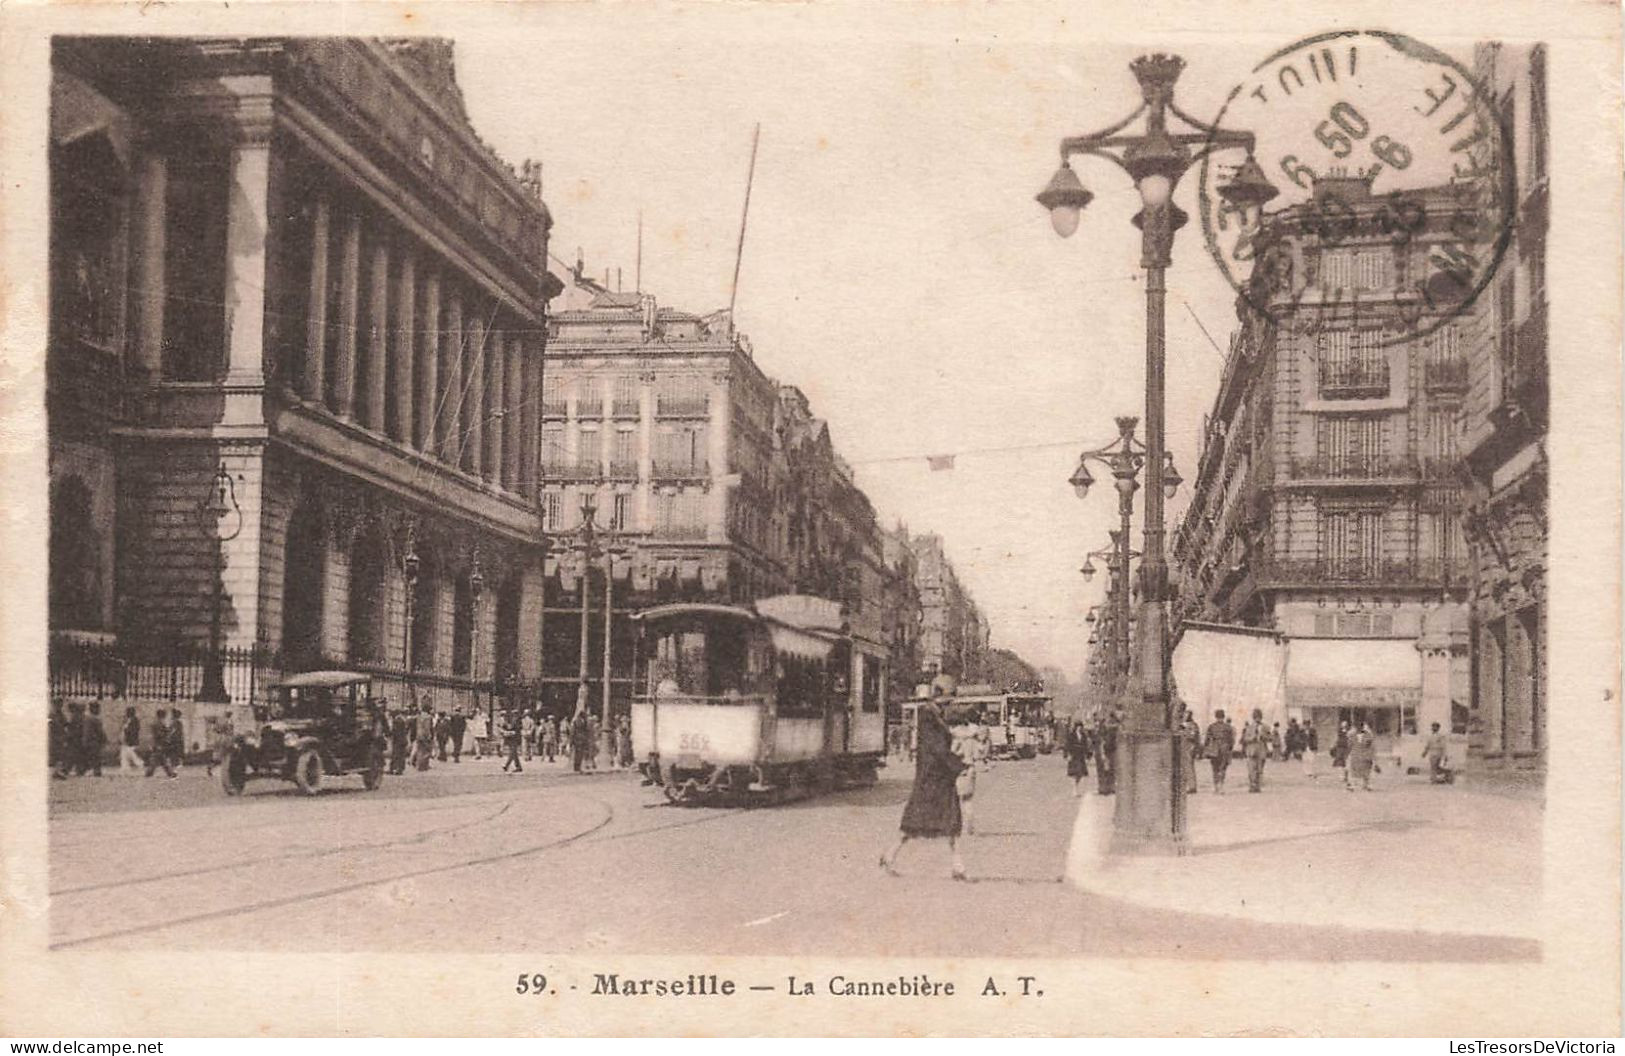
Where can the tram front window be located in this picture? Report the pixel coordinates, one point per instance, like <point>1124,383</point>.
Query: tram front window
<point>699,662</point>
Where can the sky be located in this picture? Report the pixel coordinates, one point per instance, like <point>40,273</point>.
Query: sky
<point>896,267</point>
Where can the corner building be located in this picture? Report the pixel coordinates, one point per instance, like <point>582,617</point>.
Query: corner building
<point>296,260</point>
<point>1328,499</point>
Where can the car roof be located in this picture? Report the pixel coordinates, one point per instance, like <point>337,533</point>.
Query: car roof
<point>322,679</point>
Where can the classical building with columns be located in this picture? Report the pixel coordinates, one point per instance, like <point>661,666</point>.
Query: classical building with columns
<point>293,261</point>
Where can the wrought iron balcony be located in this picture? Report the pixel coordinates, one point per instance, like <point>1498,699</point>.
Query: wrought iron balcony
<point>683,406</point>
<point>573,469</point>
<point>623,470</point>
<point>632,408</point>
<point>680,470</point>
<point>555,407</point>
<point>1395,572</point>
<point>1377,469</point>
<point>589,407</point>
<point>680,531</point>
<point>1445,375</point>
<point>1354,379</point>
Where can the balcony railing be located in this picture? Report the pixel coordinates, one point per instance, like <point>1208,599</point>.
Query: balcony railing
<point>683,406</point>
<point>1389,572</point>
<point>680,531</point>
<point>589,407</point>
<point>627,408</point>
<point>1445,375</point>
<point>1354,379</point>
<point>680,470</point>
<point>1345,468</point>
<point>623,470</point>
<point>574,469</point>
<point>555,407</point>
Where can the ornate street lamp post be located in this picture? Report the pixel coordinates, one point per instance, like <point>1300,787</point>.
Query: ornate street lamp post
<point>222,520</point>
<point>1150,800</point>
<point>411,565</point>
<point>476,590</point>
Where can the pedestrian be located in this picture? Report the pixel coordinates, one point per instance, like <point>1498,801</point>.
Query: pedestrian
<point>1340,749</point>
<point>933,805</point>
<point>1255,745</point>
<point>1105,742</point>
<point>221,746</point>
<point>1077,754</point>
<point>626,742</point>
<point>423,751</point>
<point>1192,734</point>
<point>73,740</point>
<point>400,735</point>
<point>1437,753</point>
<point>550,738</point>
<point>1217,745</point>
<point>973,750</point>
<point>513,732</point>
<point>1310,741</point>
<point>177,739</point>
<point>163,737</point>
<point>442,734</point>
<point>92,740</point>
<point>1362,758</point>
<point>580,735</point>
<point>1277,743</point>
<point>129,759</point>
<point>527,729</point>
<point>595,744</point>
<point>606,730</point>
<point>457,730</point>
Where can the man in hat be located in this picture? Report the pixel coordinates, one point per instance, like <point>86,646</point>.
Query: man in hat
<point>1256,739</point>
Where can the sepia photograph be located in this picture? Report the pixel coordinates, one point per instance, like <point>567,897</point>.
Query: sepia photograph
<point>765,503</point>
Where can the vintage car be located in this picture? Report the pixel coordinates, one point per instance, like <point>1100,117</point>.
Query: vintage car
<point>321,724</point>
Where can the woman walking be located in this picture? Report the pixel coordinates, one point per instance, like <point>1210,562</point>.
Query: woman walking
<point>1309,741</point>
<point>1077,754</point>
<point>1362,757</point>
<point>933,806</point>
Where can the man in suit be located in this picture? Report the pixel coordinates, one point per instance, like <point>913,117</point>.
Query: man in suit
<point>1219,742</point>
<point>459,730</point>
<point>1256,739</point>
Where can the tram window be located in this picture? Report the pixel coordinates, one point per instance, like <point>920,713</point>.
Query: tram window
<point>800,686</point>
<point>871,683</point>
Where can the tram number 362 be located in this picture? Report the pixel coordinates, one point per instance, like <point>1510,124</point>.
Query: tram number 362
<point>693,742</point>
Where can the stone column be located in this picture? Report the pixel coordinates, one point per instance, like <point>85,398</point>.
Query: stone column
<point>496,404</point>
<point>372,414</point>
<point>313,379</point>
<point>451,378</point>
<point>247,219</point>
<point>530,415</point>
<point>404,363</point>
<point>513,422</point>
<point>429,390</point>
<point>152,190</point>
<point>349,279</point>
<point>717,455</point>
<point>473,458</point>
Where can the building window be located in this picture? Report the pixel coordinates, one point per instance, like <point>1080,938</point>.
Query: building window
<point>1353,365</point>
<point>624,451</point>
<point>682,394</point>
<point>1351,543</point>
<point>462,627</point>
<point>620,516</point>
<point>1349,446</point>
<point>680,450</point>
<point>75,563</point>
<point>369,598</point>
<point>426,613</point>
<point>552,511</point>
<point>195,264</point>
<point>87,242</point>
<point>554,403</point>
<point>628,403</point>
<point>1356,269</point>
<point>589,398</point>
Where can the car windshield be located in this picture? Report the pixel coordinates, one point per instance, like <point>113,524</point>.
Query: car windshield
<point>315,702</point>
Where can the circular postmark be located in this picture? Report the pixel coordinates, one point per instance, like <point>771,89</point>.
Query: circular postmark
<point>1395,172</point>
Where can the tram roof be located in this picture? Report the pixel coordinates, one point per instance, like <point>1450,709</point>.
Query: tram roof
<point>695,608</point>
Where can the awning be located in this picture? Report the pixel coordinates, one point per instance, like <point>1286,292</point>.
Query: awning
<point>789,640</point>
<point>1354,663</point>
<point>1236,670</point>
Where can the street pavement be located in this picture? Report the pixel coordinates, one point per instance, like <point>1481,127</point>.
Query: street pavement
<point>467,859</point>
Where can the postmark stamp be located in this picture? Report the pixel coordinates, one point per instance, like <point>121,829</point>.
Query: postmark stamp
<point>1386,152</point>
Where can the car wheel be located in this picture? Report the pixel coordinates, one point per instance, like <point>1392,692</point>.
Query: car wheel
<point>373,776</point>
<point>307,772</point>
<point>233,773</point>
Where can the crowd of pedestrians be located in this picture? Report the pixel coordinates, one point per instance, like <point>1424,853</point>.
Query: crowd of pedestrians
<point>78,741</point>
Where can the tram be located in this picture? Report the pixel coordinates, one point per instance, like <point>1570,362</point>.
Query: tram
<point>1019,724</point>
<point>768,702</point>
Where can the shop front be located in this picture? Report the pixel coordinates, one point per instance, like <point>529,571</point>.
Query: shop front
<point>1376,681</point>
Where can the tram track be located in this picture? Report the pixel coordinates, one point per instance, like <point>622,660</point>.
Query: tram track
<point>583,837</point>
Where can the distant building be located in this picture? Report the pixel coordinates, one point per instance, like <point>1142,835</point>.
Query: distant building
<point>953,633</point>
<point>1327,502</point>
<point>1504,440</point>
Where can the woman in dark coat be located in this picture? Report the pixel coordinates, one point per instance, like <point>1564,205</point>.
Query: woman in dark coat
<point>933,806</point>
<point>1077,754</point>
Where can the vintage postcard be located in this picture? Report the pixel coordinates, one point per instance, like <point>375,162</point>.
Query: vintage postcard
<point>830,518</point>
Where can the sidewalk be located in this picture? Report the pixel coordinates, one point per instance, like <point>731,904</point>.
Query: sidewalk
<point>1408,856</point>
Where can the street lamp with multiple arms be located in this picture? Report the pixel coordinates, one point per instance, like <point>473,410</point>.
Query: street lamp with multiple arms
<point>1150,812</point>
<point>221,518</point>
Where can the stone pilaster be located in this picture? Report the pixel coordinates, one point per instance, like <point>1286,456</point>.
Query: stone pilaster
<point>403,367</point>
<point>496,393</point>
<point>150,222</point>
<point>473,458</point>
<point>377,350</point>
<point>313,379</point>
<point>344,362</point>
<point>452,345</point>
<point>429,392</point>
